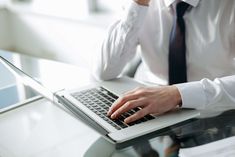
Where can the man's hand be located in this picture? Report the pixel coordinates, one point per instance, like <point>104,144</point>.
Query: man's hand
<point>142,2</point>
<point>152,100</point>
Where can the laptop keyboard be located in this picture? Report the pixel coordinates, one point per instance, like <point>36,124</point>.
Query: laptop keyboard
<point>98,100</point>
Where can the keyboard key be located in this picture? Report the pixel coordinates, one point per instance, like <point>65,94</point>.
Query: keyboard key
<point>106,108</point>
<point>125,115</point>
<point>149,117</point>
<point>131,124</point>
<point>131,112</point>
<point>121,118</point>
<point>118,128</point>
<point>136,109</point>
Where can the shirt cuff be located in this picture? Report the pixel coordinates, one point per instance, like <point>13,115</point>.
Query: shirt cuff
<point>134,15</point>
<point>192,94</point>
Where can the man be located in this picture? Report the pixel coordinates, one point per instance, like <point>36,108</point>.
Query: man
<point>202,32</point>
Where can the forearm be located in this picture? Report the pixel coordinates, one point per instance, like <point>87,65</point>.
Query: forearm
<point>120,44</point>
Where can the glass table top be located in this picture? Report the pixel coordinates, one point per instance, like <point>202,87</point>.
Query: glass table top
<point>214,124</point>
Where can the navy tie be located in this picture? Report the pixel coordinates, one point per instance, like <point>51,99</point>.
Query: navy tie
<point>177,47</point>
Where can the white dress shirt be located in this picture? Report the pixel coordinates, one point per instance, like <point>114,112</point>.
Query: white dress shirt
<point>210,42</point>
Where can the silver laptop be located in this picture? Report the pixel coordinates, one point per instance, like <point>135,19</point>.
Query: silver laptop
<point>90,104</point>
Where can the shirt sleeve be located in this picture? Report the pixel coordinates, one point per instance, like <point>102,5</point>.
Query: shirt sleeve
<point>201,94</point>
<point>120,45</point>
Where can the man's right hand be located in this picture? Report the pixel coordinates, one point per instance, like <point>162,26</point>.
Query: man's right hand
<point>142,2</point>
<point>151,100</point>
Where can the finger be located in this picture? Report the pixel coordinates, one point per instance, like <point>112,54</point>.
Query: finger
<point>138,115</point>
<point>127,106</point>
<point>121,101</point>
<point>157,114</point>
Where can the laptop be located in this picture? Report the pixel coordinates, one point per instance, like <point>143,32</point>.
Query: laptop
<point>91,103</point>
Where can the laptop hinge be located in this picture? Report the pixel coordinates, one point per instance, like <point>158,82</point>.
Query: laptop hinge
<point>81,115</point>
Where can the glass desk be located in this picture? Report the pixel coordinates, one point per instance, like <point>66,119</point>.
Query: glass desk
<point>41,129</point>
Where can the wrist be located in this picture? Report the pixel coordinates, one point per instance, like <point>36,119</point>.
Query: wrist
<point>177,96</point>
<point>142,2</point>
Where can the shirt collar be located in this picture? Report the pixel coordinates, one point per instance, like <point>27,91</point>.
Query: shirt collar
<point>193,3</point>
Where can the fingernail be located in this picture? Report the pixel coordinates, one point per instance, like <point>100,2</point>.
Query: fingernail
<point>108,113</point>
<point>126,121</point>
<point>113,116</point>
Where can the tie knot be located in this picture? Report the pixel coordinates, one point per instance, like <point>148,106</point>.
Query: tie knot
<point>181,8</point>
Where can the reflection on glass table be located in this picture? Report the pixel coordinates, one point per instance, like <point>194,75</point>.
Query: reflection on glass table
<point>196,133</point>
<point>12,96</point>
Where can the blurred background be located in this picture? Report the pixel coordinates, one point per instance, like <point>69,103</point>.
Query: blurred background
<point>68,31</point>
<point>64,30</point>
